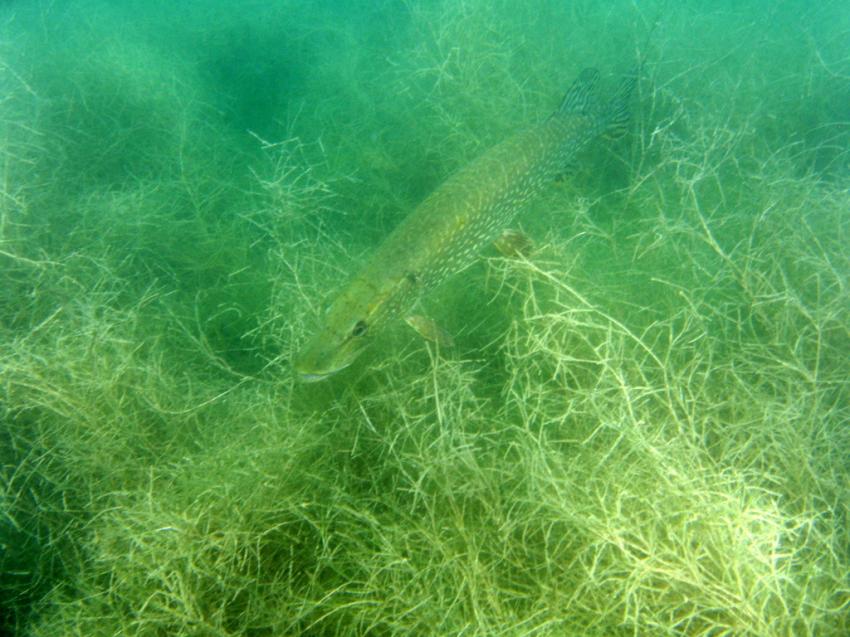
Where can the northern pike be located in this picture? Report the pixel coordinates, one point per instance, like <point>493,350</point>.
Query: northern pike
<point>445,233</point>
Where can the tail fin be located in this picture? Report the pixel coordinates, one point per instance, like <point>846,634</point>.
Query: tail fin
<point>579,97</point>
<point>615,115</point>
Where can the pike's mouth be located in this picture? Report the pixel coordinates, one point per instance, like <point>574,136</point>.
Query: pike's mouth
<point>314,377</point>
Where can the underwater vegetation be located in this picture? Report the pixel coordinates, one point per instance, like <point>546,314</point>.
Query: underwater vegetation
<point>639,424</point>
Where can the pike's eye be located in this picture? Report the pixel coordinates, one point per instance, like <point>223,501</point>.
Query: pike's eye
<point>359,329</point>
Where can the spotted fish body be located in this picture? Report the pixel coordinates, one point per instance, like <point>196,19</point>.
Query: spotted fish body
<point>445,233</point>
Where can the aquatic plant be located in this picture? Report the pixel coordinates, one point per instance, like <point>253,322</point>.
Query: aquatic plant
<point>640,427</point>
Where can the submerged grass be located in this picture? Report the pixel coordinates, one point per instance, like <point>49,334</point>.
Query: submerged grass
<point>642,426</point>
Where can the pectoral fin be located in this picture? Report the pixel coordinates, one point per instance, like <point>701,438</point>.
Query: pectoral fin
<point>513,243</point>
<point>429,330</point>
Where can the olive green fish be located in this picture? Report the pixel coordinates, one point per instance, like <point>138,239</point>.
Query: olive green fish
<point>452,225</point>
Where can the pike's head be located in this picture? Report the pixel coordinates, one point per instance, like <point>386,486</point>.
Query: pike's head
<point>333,348</point>
<point>346,330</point>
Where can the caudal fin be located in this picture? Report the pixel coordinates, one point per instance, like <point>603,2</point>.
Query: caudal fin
<point>579,98</point>
<point>612,116</point>
<point>616,114</point>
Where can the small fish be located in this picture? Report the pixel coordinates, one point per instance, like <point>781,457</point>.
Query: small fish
<point>446,232</point>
